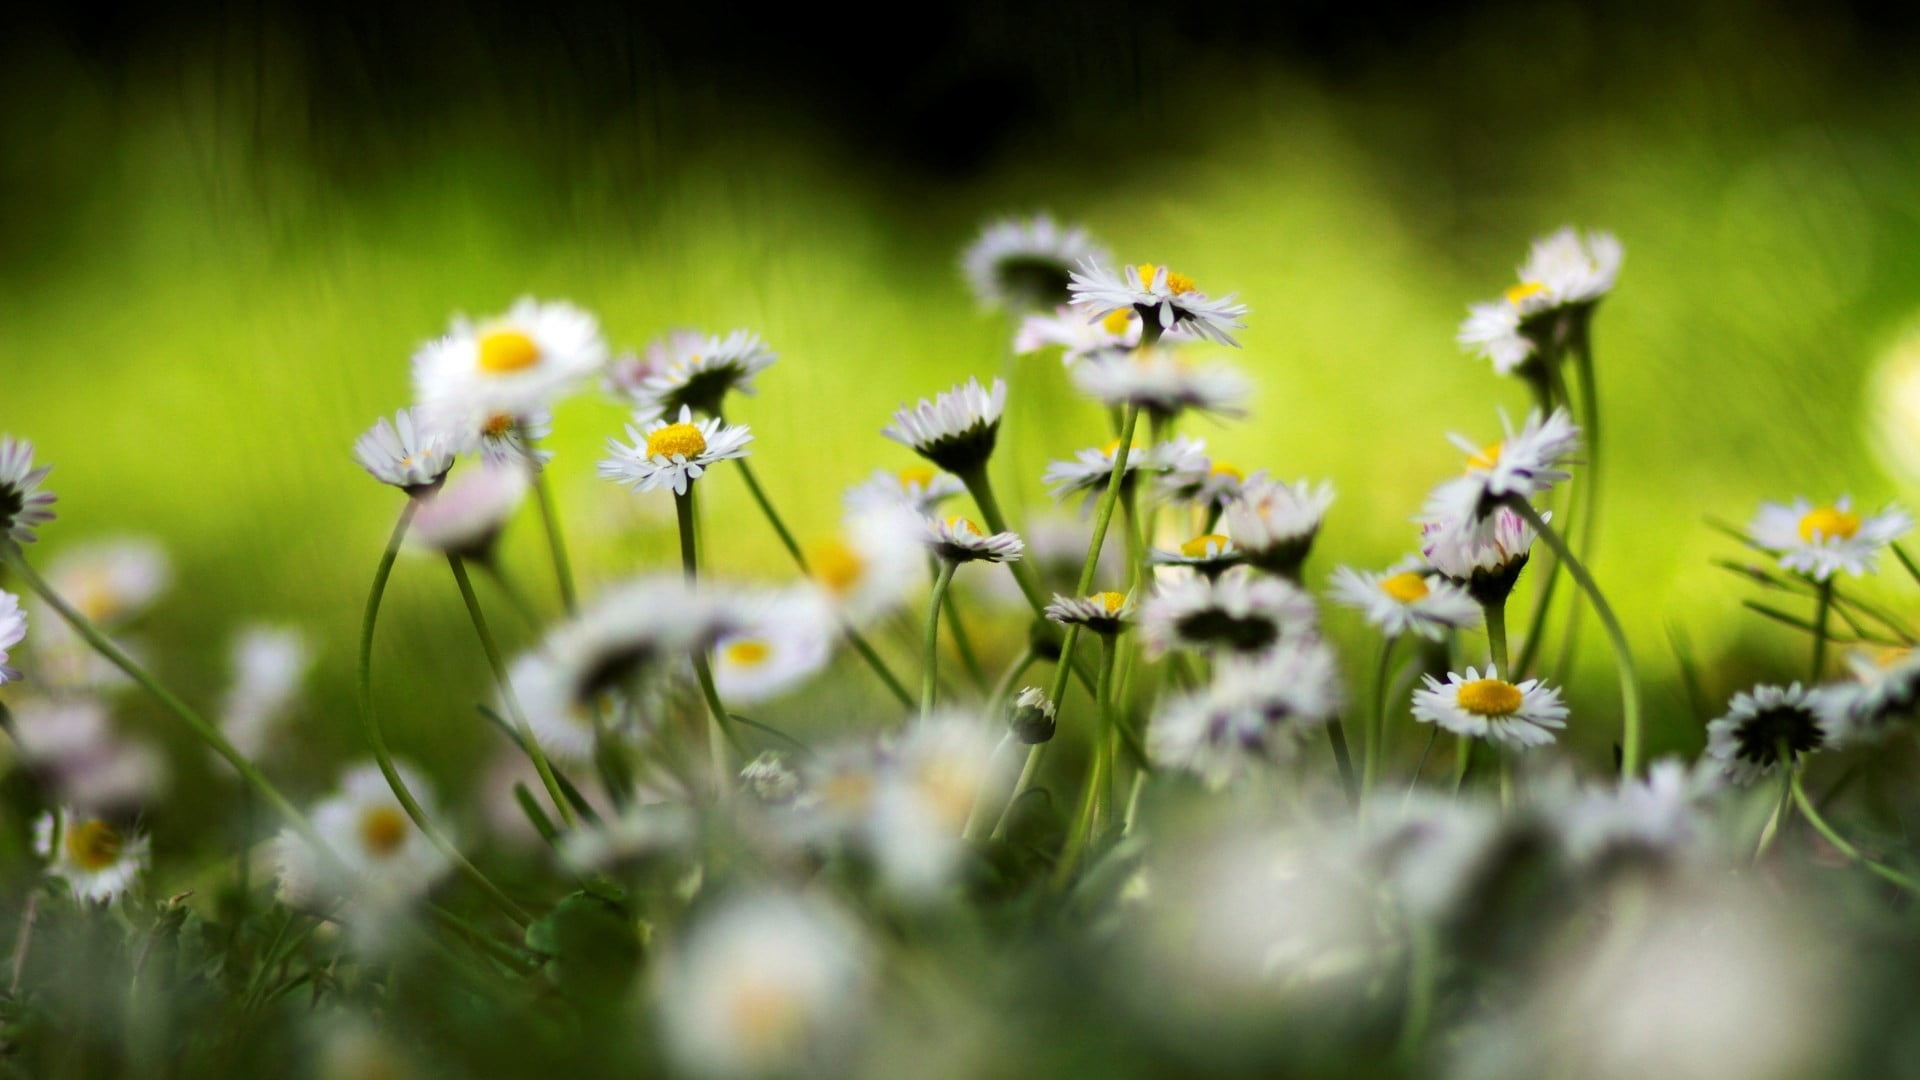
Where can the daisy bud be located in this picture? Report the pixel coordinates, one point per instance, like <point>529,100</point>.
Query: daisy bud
<point>1033,717</point>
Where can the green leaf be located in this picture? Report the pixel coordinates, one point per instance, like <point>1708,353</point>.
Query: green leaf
<point>593,944</point>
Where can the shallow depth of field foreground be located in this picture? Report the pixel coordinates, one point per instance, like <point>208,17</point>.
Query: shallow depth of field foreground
<point>1286,547</point>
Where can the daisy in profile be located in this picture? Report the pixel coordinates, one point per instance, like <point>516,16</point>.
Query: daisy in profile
<point>1079,338</point>
<point>13,630</point>
<point>1406,598</point>
<point>516,364</point>
<point>506,439</point>
<point>1253,716</point>
<point>1239,613</point>
<point>1519,715</point>
<point>1485,560</point>
<point>23,506</point>
<point>874,563</point>
<point>673,454</point>
<point>1763,726</point>
<point>1566,268</point>
<point>783,640</point>
<point>1884,690</point>
<point>1033,716</point>
<point>403,454</point>
<point>920,488</point>
<point>1209,488</point>
<point>959,540</point>
<point>466,516</point>
<point>1492,331</point>
<point>1820,541</point>
<point>1106,613</point>
<point>1164,384</point>
<point>1025,264</point>
<point>956,430</point>
<point>383,858</point>
<point>1526,463</point>
<point>98,859</point>
<point>1210,554</point>
<point>1087,474</point>
<point>1274,523</point>
<point>689,370</point>
<point>269,664</point>
<point>1163,299</point>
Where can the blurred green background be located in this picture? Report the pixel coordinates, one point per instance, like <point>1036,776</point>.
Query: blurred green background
<point>225,235</point>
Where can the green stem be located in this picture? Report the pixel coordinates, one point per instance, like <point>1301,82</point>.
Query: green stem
<point>1337,738</point>
<point>879,666</point>
<point>1812,813</point>
<point>1422,974</point>
<point>1496,619</point>
<point>980,486</point>
<point>997,700</point>
<point>1462,760</point>
<point>930,659</point>
<point>556,545</point>
<point>1028,772</point>
<point>1079,833</point>
<point>722,731</point>
<point>1622,653</point>
<point>1822,605</point>
<point>963,643</point>
<point>1778,819</point>
<point>1102,520</point>
<point>377,739</point>
<point>499,666</point>
<point>766,507</point>
<point>1377,722</point>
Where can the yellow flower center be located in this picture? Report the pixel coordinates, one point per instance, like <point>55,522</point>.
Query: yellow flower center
<point>766,1018</point>
<point>1829,522</point>
<point>1405,588</point>
<point>676,440</point>
<point>383,829</point>
<point>1487,458</point>
<point>1202,547</point>
<point>1889,656</point>
<point>959,523</point>
<point>93,845</point>
<point>1221,468</point>
<point>748,652</point>
<point>1176,283</point>
<point>497,425</point>
<point>1116,321</point>
<point>94,595</point>
<point>1526,290</point>
<point>1113,447</point>
<point>916,477</point>
<point>847,791</point>
<point>948,789</point>
<point>504,351</point>
<point>1490,697</point>
<point>835,565</point>
<point>1111,600</point>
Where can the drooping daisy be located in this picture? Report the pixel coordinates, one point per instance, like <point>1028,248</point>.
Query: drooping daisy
<point>400,453</point>
<point>1274,523</point>
<point>1819,541</point>
<point>13,630</point>
<point>872,566</point>
<point>1164,384</point>
<point>1211,554</point>
<point>1519,715</point>
<point>1033,716</point>
<point>768,984</point>
<point>1240,612</point>
<point>921,488</point>
<point>1105,613</point>
<point>784,639</point>
<point>23,506</point>
<point>1407,597</point>
<point>1884,690</point>
<point>382,858</point>
<point>1079,337</point>
<point>1486,560</point>
<point>1163,299</point>
<point>689,370</point>
<point>1026,264</point>
<point>673,454</point>
<point>467,515</point>
<point>1253,715</point>
<point>515,364</point>
<point>98,859</point>
<point>935,772</point>
<point>956,430</point>
<point>1528,462</point>
<point>1760,726</point>
<point>959,540</point>
<point>1088,473</point>
<point>269,664</point>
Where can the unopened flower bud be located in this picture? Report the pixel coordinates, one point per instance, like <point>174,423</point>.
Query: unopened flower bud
<point>1032,719</point>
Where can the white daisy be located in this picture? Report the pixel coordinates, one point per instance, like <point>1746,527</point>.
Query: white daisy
<point>1437,855</point>
<point>960,540</point>
<point>1527,463</point>
<point>1057,549</point>
<point>640,832</point>
<point>1105,613</point>
<point>1485,560</point>
<point>1163,298</point>
<point>1488,707</point>
<point>770,779</point>
<point>1492,330</point>
<point>1819,541</point>
<point>1748,739</point>
<point>922,488</point>
<point>382,857</point>
<point>269,664</point>
<point>873,565</point>
<point>1239,612</point>
<point>784,639</point>
<point>1253,715</point>
<point>515,440</point>
<point>689,370</point>
<point>515,364</point>
<point>840,786</point>
<point>1088,473</point>
<point>1658,817</point>
<point>99,860</point>
<point>466,516</point>
<point>48,732</point>
<point>23,506</point>
<point>401,453</point>
<point>1025,264</point>
<point>1079,337</point>
<point>673,454</point>
<point>1885,688</point>
<point>935,772</point>
<point>956,430</point>
<point>13,630</point>
<point>1164,383</point>
<point>122,773</point>
<point>113,581</point>
<point>1274,523</point>
<point>1211,554</point>
<point>1567,268</point>
<point>1209,485</point>
<point>767,984</point>
<point>1033,717</point>
<point>1406,597</point>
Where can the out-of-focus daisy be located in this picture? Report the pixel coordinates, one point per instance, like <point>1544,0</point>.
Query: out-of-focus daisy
<point>770,779</point>
<point>1274,523</point>
<point>1528,462</point>
<point>689,370</point>
<point>1088,473</point>
<point>1025,264</point>
<point>1487,560</point>
<point>960,540</point>
<point>515,440</point>
<point>1435,854</point>
<point>385,857</point>
<point>1885,689</point>
<point>111,581</point>
<point>956,430</point>
<point>936,771</point>
<point>23,506</point>
<point>1163,299</point>
<point>869,569</point>
<point>1079,337</point>
<point>1519,715</point>
<point>921,488</point>
<point>770,984</point>
<point>1253,715</point>
<point>98,859</point>
<point>1210,487</point>
<point>1238,613</point>
<point>1657,818</point>
<point>1164,383</point>
<point>1761,726</point>
<point>784,639</point>
<point>1565,268</point>
<point>1492,330</point>
<point>400,452</point>
<point>1406,598</point>
<point>269,664</point>
<point>1210,554</point>
<point>1105,613</point>
<point>13,630</point>
<point>115,774</point>
<point>1819,541</point>
<point>516,364</point>
<point>673,454</point>
<point>840,787</point>
<point>1033,716</point>
<point>466,516</point>
<point>640,831</point>
<point>1056,550</point>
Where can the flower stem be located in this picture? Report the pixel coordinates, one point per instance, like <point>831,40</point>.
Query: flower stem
<point>1377,722</point>
<point>980,486</point>
<point>1102,519</point>
<point>1495,616</point>
<point>1840,843</point>
<point>997,700</point>
<point>377,738</point>
<point>1822,605</point>
<point>556,545</point>
<point>1078,834</point>
<point>499,666</point>
<point>1028,772</point>
<point>1622,653</point>
<point>1778,819</point>
<point>930,659</point>
<point>963,642</point>
<point>773,518</point>
<point>722,732</point>
<point>1337,738</point>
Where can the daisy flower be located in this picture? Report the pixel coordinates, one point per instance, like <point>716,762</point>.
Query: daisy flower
<point>921,488</point>
<point>466,516</point>
<point>1164,384</point>
<point>959,540</point>
<point>673,454</point>
<point>515,364</point>
<point>1033,718</point>
<point>1210,554</point>
<point>385,858</point>
<point>956,430</point>
<point>1162,298</point>
<point>1026,264</point>
<point>1079,338</point>
<point>1488,707</point>
<point>111,581</point>
<point>770,779</point>
<point>1406,598</point>
<point>1527,463</point>
<point>932,776</point>
<point>782,641</point>
<point>508,440</point>
<point>1565,268</point>
<point>1820,541</point>
<point>1056,549</point>
<point>269,663</point>
<point>1658,816</point>
<point>1885,688</point>
<point>23,506</point>
<point>1253,716</point>
<point>1239,612</point>
<point>1758,725</point>
<point>98,859</point>
<point>1492,331</point>
<point>688,370</point>
<point>1105,613</point>
<point>1087,474</point>
<point>1211,484</point>
<point>640,832</point>
<point>400,453</point>
<point>1274,523</point>
<point>1485,560</point>
<point>872,566</point>
<point>13,630</point>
